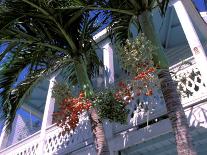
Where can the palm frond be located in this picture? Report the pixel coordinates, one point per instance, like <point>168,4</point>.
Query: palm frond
<point>163,6</point>
<point>44,38</point>
<point>13,91</point>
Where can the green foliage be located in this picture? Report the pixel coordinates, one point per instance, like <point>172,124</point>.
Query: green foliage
<point>107,105</point>
<point>46,39</point>
<point>110,108</point>
<point>60,92</point>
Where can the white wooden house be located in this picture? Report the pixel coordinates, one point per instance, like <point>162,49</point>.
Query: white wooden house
<point>34,134</point>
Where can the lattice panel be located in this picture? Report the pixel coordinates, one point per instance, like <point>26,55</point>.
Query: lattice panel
<point>30,149</point>
<point>189,81</point>
<point>56,140</point>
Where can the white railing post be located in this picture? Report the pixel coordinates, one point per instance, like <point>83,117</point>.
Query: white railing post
<point>108,63</point>
<point>192,38</point>
<point>108,60</point>
<point>3,137</point>
<point>47,117</point>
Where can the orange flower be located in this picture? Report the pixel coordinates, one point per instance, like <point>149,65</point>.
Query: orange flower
<point>149,92</point>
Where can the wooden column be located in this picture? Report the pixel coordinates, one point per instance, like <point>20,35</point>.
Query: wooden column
<point>3,138</point>
<point>108,79</point>
<point>108,64</point>
<point>47,117</point>
<point>192,38</point>
<point>196,17</point>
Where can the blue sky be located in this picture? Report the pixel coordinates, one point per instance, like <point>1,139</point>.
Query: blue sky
<point>201,5</point>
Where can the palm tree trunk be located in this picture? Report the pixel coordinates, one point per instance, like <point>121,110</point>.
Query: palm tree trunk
<point>176,114</point>
<point>97,126</point>
<point>174,107</point>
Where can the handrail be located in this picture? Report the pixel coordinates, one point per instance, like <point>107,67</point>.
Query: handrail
<point>21,141</point>
<point>28,138</point>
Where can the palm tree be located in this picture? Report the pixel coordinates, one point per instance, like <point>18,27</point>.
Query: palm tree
<point>142,11</point>
<point>123,14</point>
<point>44,39</point>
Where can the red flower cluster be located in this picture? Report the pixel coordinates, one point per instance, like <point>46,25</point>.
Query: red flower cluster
<point>145,77</point>
<point>70,109</point>
<point>144,74</point>
<point>124,93</point>
<point>149,92</point>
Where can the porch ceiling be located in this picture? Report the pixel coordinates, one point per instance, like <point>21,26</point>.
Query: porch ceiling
<point>35,101</point>
<point>170,30</point>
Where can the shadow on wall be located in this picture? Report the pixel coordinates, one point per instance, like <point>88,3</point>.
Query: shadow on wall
<point>164,144</point>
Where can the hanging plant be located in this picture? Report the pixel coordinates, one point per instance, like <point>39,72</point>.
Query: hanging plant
<point>69,111</point>
<point>60,92</point>
<point>136,58</point>
<point>110,107</point>
<point>69,107</point>
<point>110,104</point>
<point>142,81</point>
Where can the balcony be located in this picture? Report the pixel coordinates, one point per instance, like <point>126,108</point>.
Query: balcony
<point>54,142</point>
<point>141,126</point>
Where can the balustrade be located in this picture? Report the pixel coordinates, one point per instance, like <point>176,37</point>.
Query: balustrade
<point>190,86</point>
<point>143,111</point>
<point>189,82</point>
<point>56,141</point>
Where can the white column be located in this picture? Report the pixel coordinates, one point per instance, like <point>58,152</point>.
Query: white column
<point>108,63</point>
<point>47,117</point>
<point>192,38</point>
<point>3,137</point>
<point>196,17</point>
<point>108,79</point>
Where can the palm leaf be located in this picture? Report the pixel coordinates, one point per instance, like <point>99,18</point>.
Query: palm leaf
<point>45,39</point>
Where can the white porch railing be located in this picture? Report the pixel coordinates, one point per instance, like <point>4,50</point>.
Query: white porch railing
<point>189,83</point>
<point>190,86</point>
<point>55,142</point>
<point>26,146</point>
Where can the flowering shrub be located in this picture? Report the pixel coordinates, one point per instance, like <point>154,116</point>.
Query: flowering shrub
<point>69,111</point>
<point>124,92</point>
<point>107,104</point>
<point>136,58</point>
